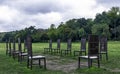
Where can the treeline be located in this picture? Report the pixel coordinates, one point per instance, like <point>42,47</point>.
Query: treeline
<point>106,23</point>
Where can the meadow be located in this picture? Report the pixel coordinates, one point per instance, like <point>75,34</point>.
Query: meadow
<point>10,66</point>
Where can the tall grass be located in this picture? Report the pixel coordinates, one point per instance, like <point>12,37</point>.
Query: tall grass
<point>112,66</point>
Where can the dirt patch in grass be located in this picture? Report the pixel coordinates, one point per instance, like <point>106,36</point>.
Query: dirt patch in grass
<point>66,65</point>
<point>112,70</point>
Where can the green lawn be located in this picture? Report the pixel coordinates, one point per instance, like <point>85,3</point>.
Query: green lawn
<point>112,66</point>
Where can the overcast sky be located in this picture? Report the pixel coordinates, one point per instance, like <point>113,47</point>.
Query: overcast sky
<point>18,14</point>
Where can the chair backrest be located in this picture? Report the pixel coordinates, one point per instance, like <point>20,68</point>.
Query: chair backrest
<point>50,43</point>
<point>83,44</point>
<point>93,45</point>
<point>29,46</point>
<point>69,44</point>
<point>10,50</point>
<point>6,44</point>
<point>14,46</point>
<point>19,45</point>
<point>103,43</point>
<point>25,45</point>
<point>9,44</point>
<point>58,44</point>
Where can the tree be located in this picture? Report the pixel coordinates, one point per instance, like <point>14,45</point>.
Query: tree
<point>64,32</point>
<point>52,34</point>
<point>114,15</point>
<point>8,35</point>
<point>81,32</point>
<point>102,18</point>
<point>101,30</point>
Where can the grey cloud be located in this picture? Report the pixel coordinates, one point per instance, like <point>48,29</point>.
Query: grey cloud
<point>33,9</point>
<point>2,22</point>
<point>27,12</point>
<point>109,3</point>
<point>8,27</point>
<point>40,7</point>
<point>2,1</point>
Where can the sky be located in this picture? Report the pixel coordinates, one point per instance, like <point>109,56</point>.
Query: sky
<point>19,14</point>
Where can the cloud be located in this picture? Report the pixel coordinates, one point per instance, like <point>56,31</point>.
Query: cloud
<point>18,14</point>
<point>7,14</point>
<point>44,20</point>
<point>37,6</point>
<point>109,3</point>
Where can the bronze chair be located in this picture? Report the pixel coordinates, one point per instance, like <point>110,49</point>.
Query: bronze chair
<point>103,47</point>
<point>21,54</point>
<point>25,46</point>
<point>31,57</point>
<point>57,50</point>
<point>93,51</point>
<point>68,50</point>
<point>14,51</point>
<point>7,49</point>
<point>82,47</point>
<point>46,50</point>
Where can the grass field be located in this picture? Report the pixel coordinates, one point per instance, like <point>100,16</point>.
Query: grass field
<point>10,66</point>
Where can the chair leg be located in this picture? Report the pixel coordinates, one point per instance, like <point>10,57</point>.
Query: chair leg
<point>44,51</point>
<point>31,64</point>
<point>98,63</point>
<point>100,56</point>
<point>106,56</point>
<point>54,51</point>
<point>59,51</point>
<point>91,63</point>
<point>74,53</point>
<point>6,52</point>
<point>78,62</point>
<point>45,63</point>
<point>51,51</point>
<point>80,53</point>
<point>18,58</point>
<point>70,52</point>
<point>14,56</point>
<point>39,62</point>
<point>62,53</point>
<point>88,63</point>
<point>10,53</point>
<point>85,52</point>
<point>28,63</point>
<point>21,58</point>
<point>65,52</point>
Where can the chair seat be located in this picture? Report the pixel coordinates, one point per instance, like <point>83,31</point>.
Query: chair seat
<point>56,49</point>
<point>103,52</point>
<point>23,54</point>
<point>91,57</point>
<point>47,48</point>
<point>82,50</point>
<point>16,52</point>
<point>66,50</point>
<point>77,51</point>
<point>37,57</point>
